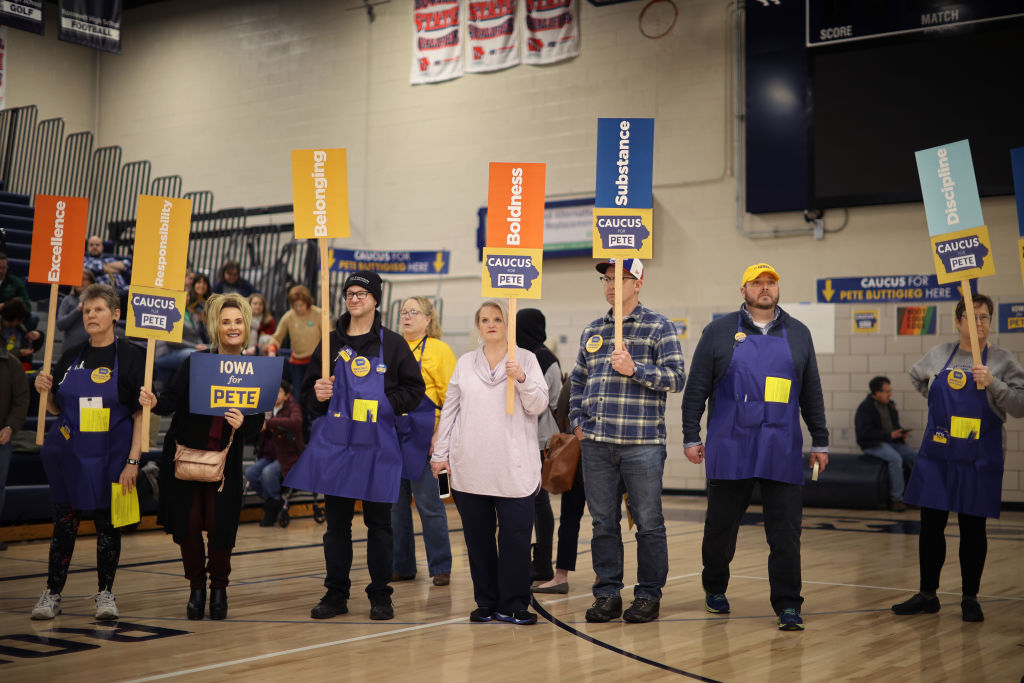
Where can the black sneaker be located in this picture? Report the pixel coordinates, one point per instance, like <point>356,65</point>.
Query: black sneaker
<point>381,608</point>
<point>917,604</point>
<point>971,610</point>
<point>481,614</point>
<point>605,608</point>
<point>330,606</point>
<point>521,617</point>
<point>641,611</point>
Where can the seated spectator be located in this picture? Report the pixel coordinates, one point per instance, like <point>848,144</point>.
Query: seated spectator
<point>230,280</point>
<point>11,286</point>
<point>280,446</point>
<point>301,324</point>
<point>14,336</point>
<point>197,296</point>
<point>14,398</point>
<point>170,355</point>
<point>879,434</point>
<point>263,325</point>
<point>107,269</point>
<point>69,314</point>
<point>190,277</point>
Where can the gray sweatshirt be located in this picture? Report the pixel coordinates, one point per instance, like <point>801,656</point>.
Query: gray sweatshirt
<point>1005,393</point>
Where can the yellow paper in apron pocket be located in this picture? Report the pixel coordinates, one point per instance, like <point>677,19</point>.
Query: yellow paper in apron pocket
<point>776,389</point>
<point>965,427</point>
<point>92,416</point>
<point>364,410</point>
<point>124,507</point>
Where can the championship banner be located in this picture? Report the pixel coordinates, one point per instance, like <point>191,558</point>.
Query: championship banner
<point>93,23</point>
<point>1017,161</point>
<point>552,31</point>
<point>218,383</point>
<point>26,15</point>
<point>960,243</point>
<point>58,240</point>
<point>162,227</point>
<point>155,313</point>
<point>391,262</point>
<point>623,206</point>
<point>513,257</point>
<point>492,38</point>
<point>436,45</point>
<point>320,193</point>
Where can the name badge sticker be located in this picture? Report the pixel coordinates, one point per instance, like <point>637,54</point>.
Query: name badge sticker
<point>346,353</point>
<point>595,343</point>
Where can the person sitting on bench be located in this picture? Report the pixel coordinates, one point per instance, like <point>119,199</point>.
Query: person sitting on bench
<point>879,435</point>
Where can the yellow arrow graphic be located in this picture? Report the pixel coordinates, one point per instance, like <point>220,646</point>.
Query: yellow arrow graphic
<point>439,262</point>
<point>828,291</point>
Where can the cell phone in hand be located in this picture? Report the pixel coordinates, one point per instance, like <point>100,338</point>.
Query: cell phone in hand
<point>444,487</point>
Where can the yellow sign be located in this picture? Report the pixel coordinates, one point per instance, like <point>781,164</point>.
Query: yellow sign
<point>511,272</point>
<point>965,427</point>
<point>101,375</point>
<point>865,320</point>
<point>155,313</point>
<point>682,326</point>
<point>776,389</point>
<point>1020,255</point>
<point>161,242</point>
<point>243,398</point>
<point>956,379</point>
<point>124,507</point>
<point>595,343</point>
<point>963,254</point>
<point>320,193</point>
<point>360,366</point>
<point>623,233</point>
<point>364,410</point>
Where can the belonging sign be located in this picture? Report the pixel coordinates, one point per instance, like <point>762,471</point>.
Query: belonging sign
<point>320,193</point>
<point>960,244</point>
<point>513,258</point>
<point>915,320</point>
<point>623,207</point>
<point>1017,162</point>
<point>218,383</point>
<point>1011,318</point>
<point>391,262</point>
<point>161,235</point>
<point>865,321</point>
<point>58,240</point>
<point>883,288</point>
<point>155,313</point>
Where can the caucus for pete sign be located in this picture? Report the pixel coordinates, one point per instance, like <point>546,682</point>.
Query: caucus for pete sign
<point>218,383</point>
<point>155,313</point>
<point>513,257</point>
<point>320,193</point>
<point>58,240</point>
<point>623,204</point>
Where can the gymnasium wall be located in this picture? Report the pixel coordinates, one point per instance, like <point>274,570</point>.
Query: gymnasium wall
<point>220,91</point>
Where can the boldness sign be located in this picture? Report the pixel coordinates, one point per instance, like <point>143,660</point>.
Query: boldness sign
<point>514,255</point>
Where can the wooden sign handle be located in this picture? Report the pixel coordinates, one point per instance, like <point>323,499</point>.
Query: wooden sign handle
<point>325,311</point>
<point>51,325</point>
<point>510,335</point>
<point>147,382</point>
<point>965,287</point>
<point>617,306</point>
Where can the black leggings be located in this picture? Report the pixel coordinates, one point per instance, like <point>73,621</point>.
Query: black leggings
<point>932,549</point>
<point>62,546</point>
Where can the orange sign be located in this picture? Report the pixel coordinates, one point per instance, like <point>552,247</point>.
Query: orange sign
<point>58,240</point>
<point>515,206</point>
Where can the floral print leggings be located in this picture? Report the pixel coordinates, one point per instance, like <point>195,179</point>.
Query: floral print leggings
<point>62,546</point>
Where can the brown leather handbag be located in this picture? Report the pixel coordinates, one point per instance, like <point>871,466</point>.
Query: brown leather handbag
<point>560,462</point>
<point>194,464</point>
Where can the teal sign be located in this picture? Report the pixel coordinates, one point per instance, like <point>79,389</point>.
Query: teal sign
<point>949,188</point>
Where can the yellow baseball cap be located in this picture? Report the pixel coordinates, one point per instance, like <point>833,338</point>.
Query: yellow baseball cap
<point>752,272</point>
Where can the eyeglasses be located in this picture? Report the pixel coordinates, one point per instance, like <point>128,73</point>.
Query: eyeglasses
<point>357,296</point>
<point>980,319</point>
<point>606,279</point>
<point>410,313</point>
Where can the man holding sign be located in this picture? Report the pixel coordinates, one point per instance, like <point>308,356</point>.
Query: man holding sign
<point>617,411</point>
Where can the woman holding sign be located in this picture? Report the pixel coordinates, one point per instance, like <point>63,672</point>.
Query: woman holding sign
<point>187,508</point>
<point>95,442</point>
<point>491,458</point>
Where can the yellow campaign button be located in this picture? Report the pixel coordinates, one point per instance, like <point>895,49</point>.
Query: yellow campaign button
<point>360,366</point>
<point>956,379</point>
<point>740,336</point>
<point>101,375</point>
<point>594,343</point>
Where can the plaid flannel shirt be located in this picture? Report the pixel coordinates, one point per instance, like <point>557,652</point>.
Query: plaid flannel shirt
<point>617,409</point>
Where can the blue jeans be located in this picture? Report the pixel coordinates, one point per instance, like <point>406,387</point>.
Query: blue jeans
<point>895,454</point>
<point>265,478</point>
<point>435,526</point>
<point>640,469</point>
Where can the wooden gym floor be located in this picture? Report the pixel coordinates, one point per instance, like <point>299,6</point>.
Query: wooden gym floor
<point>855,564</point>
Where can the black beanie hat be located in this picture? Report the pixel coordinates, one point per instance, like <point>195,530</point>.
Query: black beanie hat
<point>366,279</point>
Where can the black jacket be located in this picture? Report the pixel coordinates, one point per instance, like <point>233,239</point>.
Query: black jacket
<point>403,381</point>
<point>868,423</point>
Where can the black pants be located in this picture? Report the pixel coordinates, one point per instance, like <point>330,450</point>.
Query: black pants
<point>501,573</point>
<point>62,547</point>
<point>932,549</point>
<point>573,503</point>
<point>197,559</point>
<point>783,515</point>
<point>338,545</point>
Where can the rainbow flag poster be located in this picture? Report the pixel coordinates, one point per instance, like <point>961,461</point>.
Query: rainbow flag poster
<point>915,320</point>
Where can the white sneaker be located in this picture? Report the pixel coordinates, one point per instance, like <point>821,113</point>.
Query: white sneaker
<point>106,607</point>
<point>48,606</point>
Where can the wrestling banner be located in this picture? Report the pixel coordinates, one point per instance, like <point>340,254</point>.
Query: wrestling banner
<point>436,42</point>
<point>552,31</point>
<point>492,38</point>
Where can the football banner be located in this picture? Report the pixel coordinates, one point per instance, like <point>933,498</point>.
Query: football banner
<point>155,313</point>
<point>58,240</point>
<point>552,31</point>
<point>513,257</point>
<point>492,38</point>
<point>320,193</point>
<point>162,226</point>
<point>218,383</point>
<point>93,23</point>
<point>624,201</point>
<point>1017,162</point>
<point>436,41</point>
<point>960,243</point>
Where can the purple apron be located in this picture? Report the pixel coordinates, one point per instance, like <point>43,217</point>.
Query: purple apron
<point>353,450</point>
<point>88,445</point>
<point>755,429</point>
<point>415,431</point>
<point>960,465</point>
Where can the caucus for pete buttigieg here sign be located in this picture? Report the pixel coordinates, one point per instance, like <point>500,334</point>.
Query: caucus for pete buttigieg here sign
<point>218,383</point>
<point>624,201</point>
<point>960,243</point>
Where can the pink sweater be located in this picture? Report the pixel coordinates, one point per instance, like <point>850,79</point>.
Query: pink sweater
<point>490,452</point>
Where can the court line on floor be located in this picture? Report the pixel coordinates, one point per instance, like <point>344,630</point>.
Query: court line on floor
<point>885,588</point>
